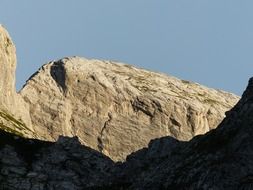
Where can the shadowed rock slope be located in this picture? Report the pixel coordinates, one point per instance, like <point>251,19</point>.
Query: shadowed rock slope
<point>220,159</point>
<point>40,165</point>
<point>117,108</point>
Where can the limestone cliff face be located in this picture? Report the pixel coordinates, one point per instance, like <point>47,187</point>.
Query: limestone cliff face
<point>14,114</point>
<point>117,108</point>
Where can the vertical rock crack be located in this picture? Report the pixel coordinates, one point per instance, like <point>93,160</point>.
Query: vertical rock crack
<point>101,137</point>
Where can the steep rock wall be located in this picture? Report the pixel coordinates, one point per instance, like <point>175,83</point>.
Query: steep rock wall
<point>14,112</point>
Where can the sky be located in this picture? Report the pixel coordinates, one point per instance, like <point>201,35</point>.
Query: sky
<point>206,41</point>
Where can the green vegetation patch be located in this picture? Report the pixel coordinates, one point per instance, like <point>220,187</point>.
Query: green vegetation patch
<point>10,130</point>
<point>185,81</point>
<point>211,101</point>
<point>15,126</point>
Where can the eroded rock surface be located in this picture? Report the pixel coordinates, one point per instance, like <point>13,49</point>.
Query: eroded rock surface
<point>14,112</point>
<point>116,108</point>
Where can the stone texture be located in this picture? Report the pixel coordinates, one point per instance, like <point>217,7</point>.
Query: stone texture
<point>14,114</point>
<point>116,108</point>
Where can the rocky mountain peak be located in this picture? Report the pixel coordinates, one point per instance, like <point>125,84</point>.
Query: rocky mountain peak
<point>112,107</point>
<point>117,108</point>
<point>101,112</point>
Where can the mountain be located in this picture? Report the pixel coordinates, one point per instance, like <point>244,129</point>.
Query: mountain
<point>220,159</point>
<point>152,123</point>
<point>112,107</point>
<point>117,108</point>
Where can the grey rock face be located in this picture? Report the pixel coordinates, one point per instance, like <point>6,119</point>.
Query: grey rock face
<point>37,165</point>
<point>116,108</point>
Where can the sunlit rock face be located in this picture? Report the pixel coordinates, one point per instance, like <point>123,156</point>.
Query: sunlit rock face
<point>117,108</point>
<point>7,70</point>
<point>14,114</point>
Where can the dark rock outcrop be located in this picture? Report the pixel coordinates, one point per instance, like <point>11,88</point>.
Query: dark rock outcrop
<point>40,165</point>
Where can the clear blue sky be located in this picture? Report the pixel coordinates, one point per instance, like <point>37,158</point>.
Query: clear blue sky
<point>206,41</point>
